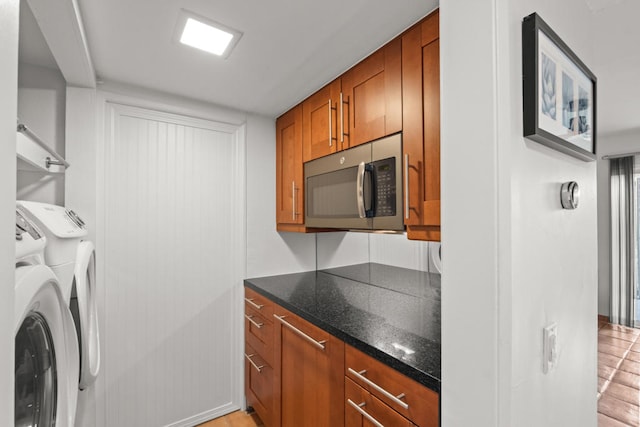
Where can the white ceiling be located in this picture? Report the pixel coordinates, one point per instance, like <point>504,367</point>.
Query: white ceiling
<point>288,50</point>
<point>291,48</point>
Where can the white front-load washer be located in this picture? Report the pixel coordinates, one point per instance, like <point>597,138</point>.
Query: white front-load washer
<point>46,347</point>
<point>72,258</point>
<point>64,230</point>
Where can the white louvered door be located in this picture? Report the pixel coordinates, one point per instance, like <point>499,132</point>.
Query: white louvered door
<point>170,277</point>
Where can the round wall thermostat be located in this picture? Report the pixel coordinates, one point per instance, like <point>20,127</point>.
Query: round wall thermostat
<point>570,195</point>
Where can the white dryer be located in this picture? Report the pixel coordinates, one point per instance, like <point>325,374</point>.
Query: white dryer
<point>46,348</point>
<point>72,258</point>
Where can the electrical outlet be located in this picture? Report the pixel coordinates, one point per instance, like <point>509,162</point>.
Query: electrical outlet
<point>549,348</point>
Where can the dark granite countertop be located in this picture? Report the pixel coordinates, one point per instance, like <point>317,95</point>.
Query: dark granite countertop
<point>389,313</point>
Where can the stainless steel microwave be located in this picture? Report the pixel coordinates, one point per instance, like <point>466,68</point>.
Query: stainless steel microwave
<point>356,189</point>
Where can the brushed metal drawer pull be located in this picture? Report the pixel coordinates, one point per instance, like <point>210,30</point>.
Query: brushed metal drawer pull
<point>257,306</point>
<point>364,413</point>
<point>249,356</point>
<point>318,344</point>
<point>406,186</point>
<point>366,380</point>
<point>250,319</point>
<point>330,125</point>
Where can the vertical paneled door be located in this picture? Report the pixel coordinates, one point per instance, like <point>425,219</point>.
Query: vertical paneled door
<point>173,235</point>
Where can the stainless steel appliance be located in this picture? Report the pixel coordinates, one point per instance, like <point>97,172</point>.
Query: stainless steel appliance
<point>357,189</point>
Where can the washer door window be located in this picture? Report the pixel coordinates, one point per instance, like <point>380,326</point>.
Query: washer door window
<point>35,374</point>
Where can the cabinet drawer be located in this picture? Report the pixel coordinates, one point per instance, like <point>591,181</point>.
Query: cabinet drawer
<point>255,301</point>
<point>416,402</point>
<point>258,332</point>
<point>258,384</point>
<point>363,409</point>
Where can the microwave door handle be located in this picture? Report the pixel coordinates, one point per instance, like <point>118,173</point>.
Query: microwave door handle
<point>372,191</point>
<point>360,190</point>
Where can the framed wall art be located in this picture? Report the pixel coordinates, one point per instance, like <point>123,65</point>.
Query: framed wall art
<point>559,92</point>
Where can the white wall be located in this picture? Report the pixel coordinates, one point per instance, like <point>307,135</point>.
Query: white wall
<point>339,248</point>
<point>396,249</point>
<point>345,248</point>
<point>554,251</point>
<point>521,262</point>
<point>469,173</point>
<point>41,106</point>
<point>9,19</point>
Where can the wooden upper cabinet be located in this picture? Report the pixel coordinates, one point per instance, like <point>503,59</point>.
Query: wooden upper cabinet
<point>289,171</point>
<point>397,88</point>
<point>320,123</point>
<point>421,128</point>
<point>372,96</point>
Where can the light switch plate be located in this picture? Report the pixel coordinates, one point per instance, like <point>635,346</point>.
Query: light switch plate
<point>549,348</point>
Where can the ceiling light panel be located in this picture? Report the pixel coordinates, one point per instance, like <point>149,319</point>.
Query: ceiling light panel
<point>204,34</point>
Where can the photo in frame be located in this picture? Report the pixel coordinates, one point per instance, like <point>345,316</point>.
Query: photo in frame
<point>559,92</point>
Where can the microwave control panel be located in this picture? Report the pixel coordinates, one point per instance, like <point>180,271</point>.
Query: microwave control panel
<point>385,187</point>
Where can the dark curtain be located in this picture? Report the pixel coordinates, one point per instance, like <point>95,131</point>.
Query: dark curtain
<point>623,236</point>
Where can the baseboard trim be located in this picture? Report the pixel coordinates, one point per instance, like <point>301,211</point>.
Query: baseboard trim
<point>206,416</point>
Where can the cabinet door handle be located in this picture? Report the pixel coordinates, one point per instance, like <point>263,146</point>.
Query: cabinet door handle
<point>249,358</point>
<point>319,344</point>
<point>256,306</point>
<point>406,186</point>
<point>341,121</point>
<point>364,413</point>
<point>256,324</point>
<point>342,132</point>
<point>330,136</point>
<point>293,200</point>
<point>367,381</point>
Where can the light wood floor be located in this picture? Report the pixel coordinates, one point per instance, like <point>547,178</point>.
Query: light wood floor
<point>235,419</point>
<point>618,376</point>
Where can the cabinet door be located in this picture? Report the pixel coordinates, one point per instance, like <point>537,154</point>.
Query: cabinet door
<point>421,128</point>
<point>289,173</point>
<point>319,122</point>
<point>309,374</point>
<point>372,90</point>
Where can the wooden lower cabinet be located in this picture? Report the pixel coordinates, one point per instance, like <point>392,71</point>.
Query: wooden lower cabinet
<point>298,375</point>
<point>400,394</point>
<point>259,355</point>
<point>309,378</point>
